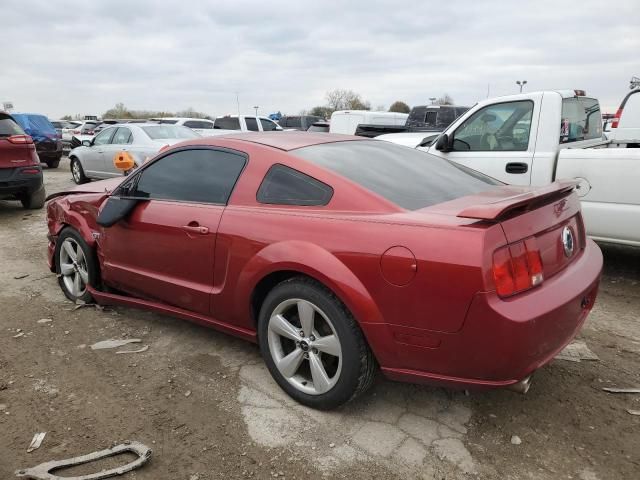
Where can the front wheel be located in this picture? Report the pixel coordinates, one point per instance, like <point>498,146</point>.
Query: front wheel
<point>312,346</point>
<point>77,172</point>
<point>76,265</point>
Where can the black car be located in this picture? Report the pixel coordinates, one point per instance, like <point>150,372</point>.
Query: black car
<point>298,122</point>
<point>433,117</point>
<point>47,140</point>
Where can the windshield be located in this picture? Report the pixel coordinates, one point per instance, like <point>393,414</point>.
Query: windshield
<point>409,178</point>
<point>165,132</point>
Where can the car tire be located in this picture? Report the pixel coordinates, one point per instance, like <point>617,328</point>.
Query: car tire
<point>76,265</point>
<point>77,172</point>
<point>35,200</point>
<point>336,366</point>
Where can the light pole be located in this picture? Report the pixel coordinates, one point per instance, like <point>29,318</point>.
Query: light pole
<point>521,84</point>
<point>433,100</point>
<point>256,107</point>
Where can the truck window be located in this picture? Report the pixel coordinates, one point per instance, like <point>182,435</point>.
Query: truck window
<point>227,123</point>
<point>581,120</point>
<point>501,127</point>
<point>252,124</point>
<point>268,125</point>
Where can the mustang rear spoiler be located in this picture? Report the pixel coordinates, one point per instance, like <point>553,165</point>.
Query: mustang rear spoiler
<point>527,200</point>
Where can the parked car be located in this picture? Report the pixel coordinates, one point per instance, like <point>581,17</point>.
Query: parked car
<point>20,171</point>
<point>367,123</point>
<point>47,140</point>
<point>433,118</point>
<point>201,125</point>
<point>94,159</point>
<point>536,138</point>
<point>85,131</point>
<point>337,254</point>
<point>245,123</point>
<point>625,127</point>
<point>298,122</point>
<point>322,127</point>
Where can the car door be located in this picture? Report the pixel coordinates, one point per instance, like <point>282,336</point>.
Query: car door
<point>497,141</point>
<point>121,140</point>
<point>93,157</point>
<point>164,249</point>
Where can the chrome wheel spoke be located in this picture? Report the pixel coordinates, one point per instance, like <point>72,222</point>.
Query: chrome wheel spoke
<point>84,275</point>
<point>289,365</point>
<point>281,326</point>
<point>77,287</point>
<point>328,344</point>
<point>80,256</point>
<point>319,375</point>
<point>66,269</point>
<point>68,248</point>
<point>306,312</point>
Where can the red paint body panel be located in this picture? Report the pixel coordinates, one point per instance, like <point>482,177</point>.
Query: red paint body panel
<point>428,309</point>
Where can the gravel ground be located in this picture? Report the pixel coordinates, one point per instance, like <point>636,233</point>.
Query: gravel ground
<point>206,405</point>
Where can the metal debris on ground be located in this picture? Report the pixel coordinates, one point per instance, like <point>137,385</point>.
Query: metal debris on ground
<point>577,351</point>
<point>18,335</point>
<point>36,442</point>
<point>633,412</point>
<point>114,343</point>
<point>41,472</point>
<point>140,350</point>
<point>20,277</point>
<point>45,320</point>
<point>621,390</point>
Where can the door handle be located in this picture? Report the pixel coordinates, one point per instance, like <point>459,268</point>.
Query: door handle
<point>195,229</point>
<point>517,167</point>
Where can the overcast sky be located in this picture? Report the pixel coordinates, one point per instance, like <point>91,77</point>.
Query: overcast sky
<point>63,57</point>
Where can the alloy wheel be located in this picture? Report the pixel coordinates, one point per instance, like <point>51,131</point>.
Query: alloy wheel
<point>304,346</point>
<point>75,171</point>
<point>73,267</point>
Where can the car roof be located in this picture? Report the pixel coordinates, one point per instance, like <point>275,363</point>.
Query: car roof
<point>287,140</point>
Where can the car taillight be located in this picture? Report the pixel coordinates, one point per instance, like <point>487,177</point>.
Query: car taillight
<point>20,139</point>
<point>517,267</point>
<point>616,119</point>
<point>30,171</point>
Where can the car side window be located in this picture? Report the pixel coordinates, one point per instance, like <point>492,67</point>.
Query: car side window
<point>501,127</point>
<point>581,120</point>
<point>104,136</point>
<point>283,185</point>
<point>252,124</point>
<point>268,125</point>
<point>197,175</point>
<point>227,123</point>
<point>122,136</point>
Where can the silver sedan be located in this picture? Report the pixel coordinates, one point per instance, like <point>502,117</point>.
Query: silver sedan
<point>94,159</point>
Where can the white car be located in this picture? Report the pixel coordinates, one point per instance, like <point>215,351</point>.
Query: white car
<point>245,123</point>
<point>94,159</point>
<point>201,125</point>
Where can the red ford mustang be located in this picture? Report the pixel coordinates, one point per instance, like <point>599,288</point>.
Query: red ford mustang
<point>337,254</point>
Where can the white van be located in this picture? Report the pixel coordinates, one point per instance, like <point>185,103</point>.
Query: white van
<point>347,121</point>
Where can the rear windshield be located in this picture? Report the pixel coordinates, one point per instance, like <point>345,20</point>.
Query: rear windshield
<point>581,120</point>
<point>8,127</point>
<point>165,132</point>
<point>409,178</point>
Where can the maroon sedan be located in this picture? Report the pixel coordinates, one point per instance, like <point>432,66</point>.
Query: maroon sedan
<point>337,254</point>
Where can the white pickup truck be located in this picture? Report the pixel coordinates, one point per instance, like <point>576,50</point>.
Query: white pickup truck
<point>536,138</point>
<point>245,123</point>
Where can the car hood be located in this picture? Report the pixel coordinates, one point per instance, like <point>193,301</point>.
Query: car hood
<point>101,186</point>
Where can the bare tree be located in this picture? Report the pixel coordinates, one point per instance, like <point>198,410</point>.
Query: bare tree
<point>340,99</point>
<point>446,99</point>
<point>399,107</point>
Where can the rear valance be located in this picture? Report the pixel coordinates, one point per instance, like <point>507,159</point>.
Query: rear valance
<point>500,208</point>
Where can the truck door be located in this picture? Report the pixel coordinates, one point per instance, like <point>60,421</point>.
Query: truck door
<point>496,140</point>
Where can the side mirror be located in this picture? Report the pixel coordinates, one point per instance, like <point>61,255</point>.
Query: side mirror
<point>443,143</point>
<point>86,143</point>
<point>115,209</point>
<point>123,161</point>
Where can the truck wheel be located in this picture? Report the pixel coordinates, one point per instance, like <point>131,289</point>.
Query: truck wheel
<point>312,345</point>
<point>77,172</point>
<point>76,265</point>
<point>34,200</point>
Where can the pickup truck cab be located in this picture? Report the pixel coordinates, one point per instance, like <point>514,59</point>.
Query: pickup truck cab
<point>536,138</point>
<point>245,123</point>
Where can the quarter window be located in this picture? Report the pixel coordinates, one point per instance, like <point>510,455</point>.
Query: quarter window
<point>122,136</point>
<point>268,125</point>
<point>501,127</point>
<point>581,120</point>
<point>286,186</point>
<point>252,124</point>
<point>199,175</point>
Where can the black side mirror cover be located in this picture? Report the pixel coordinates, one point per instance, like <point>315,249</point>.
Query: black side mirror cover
<point>443,143</point>
<point>115,209</point>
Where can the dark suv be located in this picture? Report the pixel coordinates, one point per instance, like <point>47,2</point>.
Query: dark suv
<point>433,117</point>
<point>47,140</point>
<point>20,172</point>
<point>298,122</point>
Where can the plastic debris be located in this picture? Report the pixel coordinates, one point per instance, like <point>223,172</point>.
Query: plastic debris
<point>20,277</point>
<point>18,335</point>
<point>114,343</point>
<point>41,472</point>
<point>36,442</point>
<point>577,351</point>
<point>516,440</point>
<point>633,412</point>
<point>140,350</point>
<point>45,320</point>
<point>621,390</point>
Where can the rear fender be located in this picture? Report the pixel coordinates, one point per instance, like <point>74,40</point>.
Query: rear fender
<point>311,260</point>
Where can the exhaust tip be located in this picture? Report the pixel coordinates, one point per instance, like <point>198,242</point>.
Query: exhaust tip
<point>522,386</point>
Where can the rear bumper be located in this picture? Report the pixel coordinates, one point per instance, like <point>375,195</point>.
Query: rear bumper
<point>15,183</point>
<point>504,341</point>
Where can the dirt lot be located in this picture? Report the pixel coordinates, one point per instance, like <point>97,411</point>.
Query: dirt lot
<point>206,405</point>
